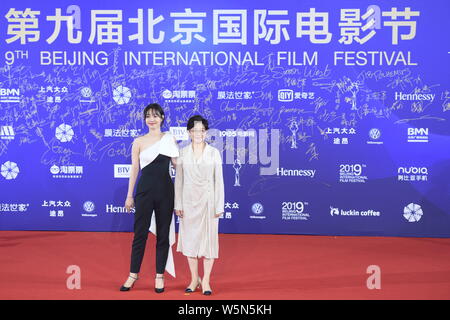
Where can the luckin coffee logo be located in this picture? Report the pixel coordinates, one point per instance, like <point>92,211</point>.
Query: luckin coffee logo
<point>354,213</point>
<point>334,211</point>
<point>414,96</point>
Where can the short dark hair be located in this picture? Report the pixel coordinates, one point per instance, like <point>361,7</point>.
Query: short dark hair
<point>156,109</point>
<point>193,119</point>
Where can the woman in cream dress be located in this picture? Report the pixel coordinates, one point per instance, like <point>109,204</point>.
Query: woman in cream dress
<point>199,202</point>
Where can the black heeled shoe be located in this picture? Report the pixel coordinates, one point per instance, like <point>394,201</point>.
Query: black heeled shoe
<point>207,292</point>
<point>159,290</point>
<point>123,288</point>
<point>189,290</point>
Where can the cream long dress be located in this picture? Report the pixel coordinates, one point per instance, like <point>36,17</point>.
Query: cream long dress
<point>199,192</point>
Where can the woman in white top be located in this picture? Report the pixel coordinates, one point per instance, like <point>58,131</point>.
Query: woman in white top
<point>155,192</point>
<point>199,202</point>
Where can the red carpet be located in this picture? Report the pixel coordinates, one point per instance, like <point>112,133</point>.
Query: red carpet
<point>33,265</point>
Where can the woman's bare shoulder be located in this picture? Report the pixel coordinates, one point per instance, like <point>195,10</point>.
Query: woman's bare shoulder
<point>137,142</point>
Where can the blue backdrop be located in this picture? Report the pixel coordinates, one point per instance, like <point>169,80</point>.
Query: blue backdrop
<point>332,115</point>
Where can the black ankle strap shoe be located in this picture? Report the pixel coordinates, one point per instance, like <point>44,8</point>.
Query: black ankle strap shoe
<point>123,288</point>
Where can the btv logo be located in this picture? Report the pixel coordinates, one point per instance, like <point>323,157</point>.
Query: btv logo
<point>180,133</point>
<point>285,95</point>
<point>334,211</point>
<point>122,170</point>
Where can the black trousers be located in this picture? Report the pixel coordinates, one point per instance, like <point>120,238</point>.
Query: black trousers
<point>145,203</point>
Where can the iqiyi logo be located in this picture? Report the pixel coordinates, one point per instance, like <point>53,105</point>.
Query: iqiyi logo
<point>285,95</point>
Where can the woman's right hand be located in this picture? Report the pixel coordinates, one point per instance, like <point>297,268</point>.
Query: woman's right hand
<point>129,204</point>
<point>179,213</point>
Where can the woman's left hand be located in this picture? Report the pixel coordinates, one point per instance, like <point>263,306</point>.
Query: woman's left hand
<point>217,215</point>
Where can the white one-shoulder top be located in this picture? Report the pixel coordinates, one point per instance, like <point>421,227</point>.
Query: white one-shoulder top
<point>166,146</point>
